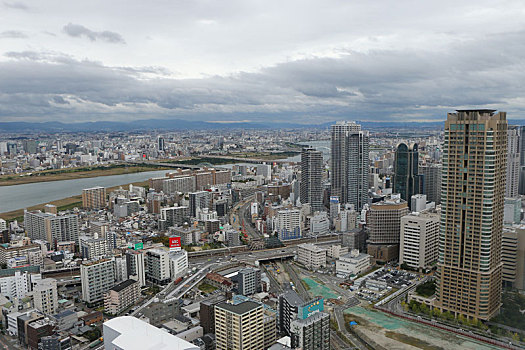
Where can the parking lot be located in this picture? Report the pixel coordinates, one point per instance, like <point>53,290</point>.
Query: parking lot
<point>394,278</point>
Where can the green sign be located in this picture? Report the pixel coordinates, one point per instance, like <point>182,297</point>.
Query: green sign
<point>138,246</point>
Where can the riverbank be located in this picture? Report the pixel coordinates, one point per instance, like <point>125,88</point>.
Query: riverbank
<point>77,173</point>
<point>61,204</point>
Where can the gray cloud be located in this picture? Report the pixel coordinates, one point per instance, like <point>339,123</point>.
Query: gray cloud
<point>77,31</point>
<point>12,34</point>
<point>15,5</point>
<point>402,85</point>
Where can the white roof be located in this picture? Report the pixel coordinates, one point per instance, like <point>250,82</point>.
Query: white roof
<point>139,335</point>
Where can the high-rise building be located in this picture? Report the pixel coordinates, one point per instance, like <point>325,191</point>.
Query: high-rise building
<point>199,200</point>
<point>288,224</point>
<point>51,228</point>
<point>350,163</point>
<point>311,176</point>
<point>249,280</point>
<point>513,256</point>
<point>239,326</point>
<point>419,239</point>
<point>161,143</point>
<point>94,198</point>
<point>136,267</point>
<point>121,296</point>
<point>513,162</point>
<point>97,278</point>
<point>311,333</point>
<point>407,180</point>
<point>45,296</point>
<point>30,146</point>
<point>432,181</point>
<point>173,216</point>
<point>384,223</point>
<point>472,198</point>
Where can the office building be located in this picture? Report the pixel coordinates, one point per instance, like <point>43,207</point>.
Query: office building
<point>94,198</point>
<point>350,164</point>
<point>419,239</point>
<point>473,189</point>
<point>239,326</point>
<point>311,256</point>
<point>512,211</point>
<point>311,333</point>
<point>45,296</point>
<point>353,263</point>
<point>30,146</point>
<point>199,200</point>
<point>128,332</point>
<point>432,181</point>
<point>513,162</point>
<point>384,223</point>
<point>161,143</point>
<point>249,280</point>
<point>407,181</point>
<point>513,256</point>
<point>264,170</point>
<point>292,307</point>
<point>121,297</point>
<point>158,266</point>
<point>97,278</point>
<point>319,224</point>
<point>51,228</point>
<point>311,176</point>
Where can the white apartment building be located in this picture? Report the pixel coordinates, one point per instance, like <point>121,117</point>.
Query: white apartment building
<point>183,184</point>
<point>51,228</point>
<point>319,224</point>
<point>3,225</point>
<point>353,263</point>
<point>419,239</point>
<point>93,248</point>
<point>158,266</point>
<point>311,256</point>
<point>287,223</point>
<point>97,278</point>
<point>45,296</point>
<point>178,263</point>
<point>17,286</point>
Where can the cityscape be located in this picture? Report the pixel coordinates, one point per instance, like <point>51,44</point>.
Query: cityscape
<point>262,176</point>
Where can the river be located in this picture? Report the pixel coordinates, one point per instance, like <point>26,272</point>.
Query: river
<point>22,196</point>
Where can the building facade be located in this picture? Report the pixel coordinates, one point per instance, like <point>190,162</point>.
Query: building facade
<point>311,177</point>
<point>407,181</point>
<point>473,189</point>
<point>419,239</point>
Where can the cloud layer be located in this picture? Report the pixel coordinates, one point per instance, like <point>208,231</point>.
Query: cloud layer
<point>306,64</point>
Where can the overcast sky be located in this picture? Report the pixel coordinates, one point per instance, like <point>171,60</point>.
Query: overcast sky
<point>297,61</point>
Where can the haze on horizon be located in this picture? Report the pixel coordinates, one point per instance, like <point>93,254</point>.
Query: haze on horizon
<point>257,61</point>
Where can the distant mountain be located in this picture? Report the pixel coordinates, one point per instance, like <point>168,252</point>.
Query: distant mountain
<point>176,124</point>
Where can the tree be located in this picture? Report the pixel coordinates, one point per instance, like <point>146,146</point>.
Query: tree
<point>424,309</point>
<point>436,312</point>
<point>461,319</point>
<point>448,316</point>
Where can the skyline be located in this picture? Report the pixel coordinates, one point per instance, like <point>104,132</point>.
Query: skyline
<point>306,63</point>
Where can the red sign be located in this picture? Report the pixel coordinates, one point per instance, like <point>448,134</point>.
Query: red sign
<point>175,243</point>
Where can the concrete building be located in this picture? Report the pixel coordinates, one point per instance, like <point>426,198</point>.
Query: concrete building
<point>419,239</point>
<point>33,252</point>
<point>93,248</point>
<point>513,162</point>
<point>207,313</point>
<point>319,224</point>
<point>311,176</point>
<point>199,200</point>
<point>249,280</point>
<point>384,222</point>
<point>45,296</point>
<point>513,256</point>
<point>94,198</point>
<point>350,163</point>
<point>473,190</point>
<point>97,278</point>
<point>173,216</point>
<point>512,211</point>
<point>182,184</point>
<point>136,266</point>
<point>264,170</point>
<point>353,263</point>
<point>311,256</point>
<point>128,332</point>
<point>51,228</point>
<point>178,261</point>
<point>288,224</point>
<point>311,333</point>
<point>17,286</point>
<point>121,297</point>
<point>157,264</point>
<point>239,326</point>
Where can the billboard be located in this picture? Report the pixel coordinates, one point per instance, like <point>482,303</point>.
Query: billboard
<point>175,243</point>
<point>138,246</point>
<point>316,305</point>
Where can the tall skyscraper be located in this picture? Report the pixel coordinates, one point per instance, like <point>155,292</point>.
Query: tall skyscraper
<point>161,143</point>
<point>350,163</point>
<point>432,181</point>
<point>513,161</point>
<point>407,181</point>
<point>311,175</point>
<point>472,200</point>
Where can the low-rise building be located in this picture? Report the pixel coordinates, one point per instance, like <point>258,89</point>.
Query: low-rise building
<point>353,263</point>
<point>311,256</point>
<point>121,296</point>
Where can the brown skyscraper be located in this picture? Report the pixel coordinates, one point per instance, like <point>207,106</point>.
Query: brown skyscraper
<point>472,199</point>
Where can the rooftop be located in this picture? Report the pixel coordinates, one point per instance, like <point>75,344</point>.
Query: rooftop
<point>239,309</point>
<point>123,285</point>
